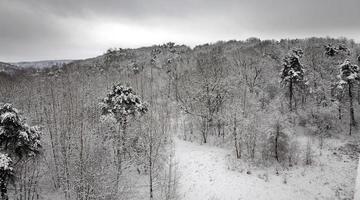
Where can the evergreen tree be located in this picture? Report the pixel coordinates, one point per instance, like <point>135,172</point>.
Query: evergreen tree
<point>123,104</point>
<point>292,72</point>
<point>349,74</point>
<point>18,141</point>
<point>332,51</point>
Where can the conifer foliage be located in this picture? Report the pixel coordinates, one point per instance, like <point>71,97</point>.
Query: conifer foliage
<point>292,72</point>
<point>349,74</point>
<point>18,141</point>
<point>122,102</point>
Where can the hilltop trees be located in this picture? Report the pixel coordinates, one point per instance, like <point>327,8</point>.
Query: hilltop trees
<point>229,92</point>
<point>18,143</point>
<point>292,72</point>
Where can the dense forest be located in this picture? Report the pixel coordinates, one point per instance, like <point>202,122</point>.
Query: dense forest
<point>107,124</point>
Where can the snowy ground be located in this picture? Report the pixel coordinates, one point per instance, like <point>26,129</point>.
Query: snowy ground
<point>205,174</point>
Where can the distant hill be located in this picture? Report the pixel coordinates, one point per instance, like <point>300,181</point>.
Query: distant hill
<point>8,68</point>
<point>42,64</point>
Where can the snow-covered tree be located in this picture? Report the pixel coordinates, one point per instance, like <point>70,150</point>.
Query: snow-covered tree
<point>348,75</point>
<point>292,72</point>
<point>332,51</point>
<point>122,104</point>
<point>18,141</point>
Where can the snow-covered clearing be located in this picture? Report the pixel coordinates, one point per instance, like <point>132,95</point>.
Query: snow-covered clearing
<point>205,174</point>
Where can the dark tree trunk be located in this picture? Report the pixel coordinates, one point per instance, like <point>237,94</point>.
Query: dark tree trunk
<point>339,109</point>
<point>204,130</point>
<point>151,169</point>
<point>236,143</point>
<point>358,93</point>
<point>244,102</point>
<point>290,94</point>
<point>276,143</point>
<point>219,127</point>
<point>351,108</point>
<point>4,195</point>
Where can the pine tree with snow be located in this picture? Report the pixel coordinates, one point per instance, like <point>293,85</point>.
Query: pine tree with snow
<point>122,104</point>
<point>292,72</point>
<point>349,74</point>
<point>18,141</point>
<point>332,51</point>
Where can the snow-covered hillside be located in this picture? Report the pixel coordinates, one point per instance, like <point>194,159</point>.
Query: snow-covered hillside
<point>206,174</point>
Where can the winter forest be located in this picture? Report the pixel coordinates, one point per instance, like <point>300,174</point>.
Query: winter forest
<point>252,119</point>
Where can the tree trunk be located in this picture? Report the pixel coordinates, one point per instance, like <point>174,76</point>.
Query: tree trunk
<point>204,130</point>
<point>358,94</point>
<point>236,143</point>
<point>276,143</point>
<point>4,195</point>
<point>119,153</point>
<point>244,101</point>
<point>219,127</point>
<point>151,168</point>
<point>351,108</point>
<point>339,109</point>
<point>290,94</point>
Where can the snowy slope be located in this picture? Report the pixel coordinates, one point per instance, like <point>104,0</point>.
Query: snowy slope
<point>205,174</point>
<point>357,187</point>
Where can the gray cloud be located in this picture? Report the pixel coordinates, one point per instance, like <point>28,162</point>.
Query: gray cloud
<point>47,29</point>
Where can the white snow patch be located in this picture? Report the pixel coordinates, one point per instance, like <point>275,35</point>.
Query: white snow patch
<point>205,174</point>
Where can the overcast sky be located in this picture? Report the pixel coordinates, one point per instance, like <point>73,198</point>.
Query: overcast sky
<point>72,29</point>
